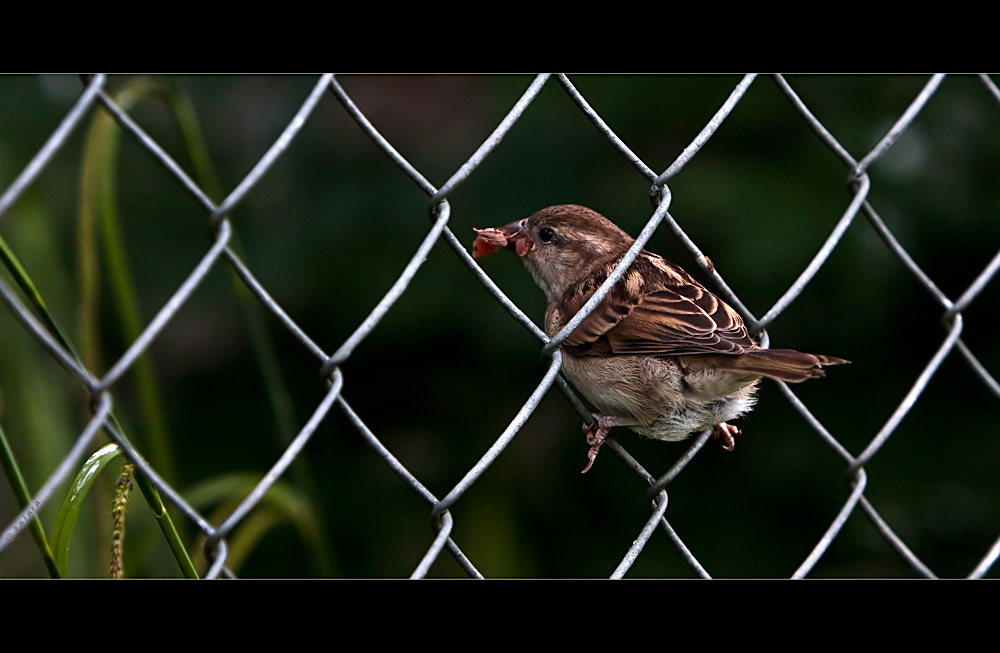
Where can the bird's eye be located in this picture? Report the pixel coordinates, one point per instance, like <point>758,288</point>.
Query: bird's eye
<point>546,234</point>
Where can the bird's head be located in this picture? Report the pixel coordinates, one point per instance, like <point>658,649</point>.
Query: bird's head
<point>557,244</point>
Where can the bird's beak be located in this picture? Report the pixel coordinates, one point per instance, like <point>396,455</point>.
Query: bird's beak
<point>517,238</point>
<point>512,237</point>
<point>513,228</point>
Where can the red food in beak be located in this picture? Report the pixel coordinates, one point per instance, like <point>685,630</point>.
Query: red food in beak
<point>508,237</point>
<point>488,241</point>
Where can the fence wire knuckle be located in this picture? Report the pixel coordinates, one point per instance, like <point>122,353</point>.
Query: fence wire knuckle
<point>444,512</point>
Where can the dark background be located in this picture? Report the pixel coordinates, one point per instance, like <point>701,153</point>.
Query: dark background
<point>332,225</point>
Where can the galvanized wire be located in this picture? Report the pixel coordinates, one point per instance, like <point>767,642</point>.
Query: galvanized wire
<point>441,519</point>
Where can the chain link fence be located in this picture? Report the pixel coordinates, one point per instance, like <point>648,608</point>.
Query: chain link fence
<point>329,361</point>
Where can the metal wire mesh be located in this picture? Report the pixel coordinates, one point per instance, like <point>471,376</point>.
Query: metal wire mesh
<point>220,252</point>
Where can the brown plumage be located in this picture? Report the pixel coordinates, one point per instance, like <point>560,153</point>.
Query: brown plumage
<point>660,354</point>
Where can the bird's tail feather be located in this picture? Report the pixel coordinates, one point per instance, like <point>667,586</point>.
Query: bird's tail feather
<point>783,364</point>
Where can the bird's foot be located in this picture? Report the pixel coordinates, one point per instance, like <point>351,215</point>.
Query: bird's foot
<point>597,433</point>
<point>727,431</point>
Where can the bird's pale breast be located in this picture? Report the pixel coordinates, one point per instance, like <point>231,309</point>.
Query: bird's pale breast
<point>653,392</point>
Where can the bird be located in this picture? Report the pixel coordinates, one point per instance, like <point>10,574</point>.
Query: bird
<point>660,354</point>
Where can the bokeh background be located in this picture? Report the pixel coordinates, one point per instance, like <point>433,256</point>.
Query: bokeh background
<point>334,222</point>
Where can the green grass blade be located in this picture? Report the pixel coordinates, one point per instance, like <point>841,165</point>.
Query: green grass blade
<point>278,393</point>
<point>250,533</point>
<point>69,510</point>
<point>20,488</point>
<point>23,280</point>
<point>99,205</point>
<point>149,493</point>
<point>283,503</point>
<point>194,140</point>
<point>155,503</point>
<point>152,497</point>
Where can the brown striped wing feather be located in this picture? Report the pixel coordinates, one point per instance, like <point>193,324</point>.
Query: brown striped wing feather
<point>656,309</point>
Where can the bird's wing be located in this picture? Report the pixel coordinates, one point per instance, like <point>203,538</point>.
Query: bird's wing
<point>657,309</point>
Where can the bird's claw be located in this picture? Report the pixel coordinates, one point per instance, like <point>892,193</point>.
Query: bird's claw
<point>597,433</point>
<point>727,431</point>
<point>592,455</point>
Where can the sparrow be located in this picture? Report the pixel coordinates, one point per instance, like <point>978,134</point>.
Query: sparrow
<point>660,354</point>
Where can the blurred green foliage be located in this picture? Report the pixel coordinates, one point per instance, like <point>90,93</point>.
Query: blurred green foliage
<point>332,225</point>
